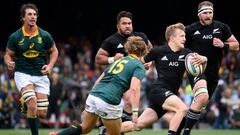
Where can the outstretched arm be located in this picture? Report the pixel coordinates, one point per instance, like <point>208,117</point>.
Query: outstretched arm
<point>8,59</point>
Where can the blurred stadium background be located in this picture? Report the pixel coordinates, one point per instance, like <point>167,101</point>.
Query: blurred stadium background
<point>79,27</point>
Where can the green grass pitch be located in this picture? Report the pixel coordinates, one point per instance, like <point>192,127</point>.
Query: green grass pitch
<point>144,132</point>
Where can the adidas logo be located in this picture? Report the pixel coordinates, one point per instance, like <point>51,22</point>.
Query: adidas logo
<point>196,32</point>
<point>164,58</point>
<point>120,46</point>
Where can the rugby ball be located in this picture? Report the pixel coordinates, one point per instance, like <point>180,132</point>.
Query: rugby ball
<point>192,69</point>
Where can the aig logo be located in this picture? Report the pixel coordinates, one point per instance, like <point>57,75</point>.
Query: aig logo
<point>207,36</point>
<point>173,64</point>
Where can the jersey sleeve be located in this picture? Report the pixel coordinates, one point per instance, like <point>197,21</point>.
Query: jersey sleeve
<point>107,46</point>
<point>12,44</point>
<point>139,72</point>
<point>151,56</point>
<point>49,40</point>
<point>227,33</point>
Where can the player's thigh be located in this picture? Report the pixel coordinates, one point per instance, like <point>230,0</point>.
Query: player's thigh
<point>174,103</point>
<point>89,121</point>
<point>113,126</point>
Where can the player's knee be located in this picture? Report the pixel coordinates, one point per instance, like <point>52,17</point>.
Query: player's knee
<point>32,106</point>
<point>201,96</point>
<point>42,106</point>
<point>183,110</point>
<point>29,96</point>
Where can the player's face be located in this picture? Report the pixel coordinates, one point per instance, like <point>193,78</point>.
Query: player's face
<point>179,38</point>
<point>30,17</point>
<point>206,18</point>
<point>125,26</point>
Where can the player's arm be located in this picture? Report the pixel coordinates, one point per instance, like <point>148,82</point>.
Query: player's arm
<point>53,55</point>
<point>135,90</point>
<point>102,57</point>
<point>233,43</point>
<point>46,69</point>
<point>230,44</point>
<point>8,59</point>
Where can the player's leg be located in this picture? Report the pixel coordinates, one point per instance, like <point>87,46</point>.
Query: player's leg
<point>24,83</point>
<point>30,99</point>
<point>126,115</point>
<point>199,102</point>
<point>176,105</point>
<point>143,121</point>
<point>113,126</point>
<point>88,123</point>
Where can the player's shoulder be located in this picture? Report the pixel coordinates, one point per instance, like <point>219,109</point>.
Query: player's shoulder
<point>160,49</point>
<point>141,34</point>
<point>43,32</point>
<point>219,24</point>
<point>114,37</point>
<point>16,34</point>
<point>193,26</point>
<point>185,51</point>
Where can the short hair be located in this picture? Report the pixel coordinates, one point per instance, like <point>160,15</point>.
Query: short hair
<point>27,6</point>
<point>205,3</point>
<point>136,45</point>
<point>124,14</point>
<point>170,30</point>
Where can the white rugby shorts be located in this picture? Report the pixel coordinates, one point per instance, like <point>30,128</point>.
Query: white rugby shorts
<point>104,110</point>
<point>41,83</point>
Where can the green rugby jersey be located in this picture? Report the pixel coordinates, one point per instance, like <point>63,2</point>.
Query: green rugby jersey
<point>117,79</point>
<point>31,53</point>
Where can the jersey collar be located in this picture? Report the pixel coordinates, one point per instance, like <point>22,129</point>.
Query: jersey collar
<point>36,32</point>
<point>134,56</point>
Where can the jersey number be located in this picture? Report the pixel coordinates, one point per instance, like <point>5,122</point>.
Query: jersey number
<point>117,67</point>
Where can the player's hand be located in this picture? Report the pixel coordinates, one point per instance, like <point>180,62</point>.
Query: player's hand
<point>134,118</point>
<point>10,65</point>
<point>46,69</point>
<point>147,65</point>
<point>198,59</point>
<point>118,56</point>
<point>218,42</point>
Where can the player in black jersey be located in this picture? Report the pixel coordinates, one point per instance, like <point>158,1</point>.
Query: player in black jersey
<point>209,38</point>
<point>169,60</point>
<point>112,49</point>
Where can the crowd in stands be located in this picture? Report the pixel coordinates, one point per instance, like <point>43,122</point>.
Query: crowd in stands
<point>75,73</point>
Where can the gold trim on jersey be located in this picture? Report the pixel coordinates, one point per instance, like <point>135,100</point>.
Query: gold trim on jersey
<point>26,34</point>
<point>134,56</point>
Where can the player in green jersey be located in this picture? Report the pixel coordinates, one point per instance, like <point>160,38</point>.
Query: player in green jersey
<point>105,99</point>
<point>26,53</point>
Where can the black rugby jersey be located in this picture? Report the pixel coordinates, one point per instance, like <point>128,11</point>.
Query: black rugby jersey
<point>199,39</point>
<point>115,43</point>
<point>169,65</point>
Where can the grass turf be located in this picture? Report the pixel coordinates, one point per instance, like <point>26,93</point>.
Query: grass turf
<point>144,132</point>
